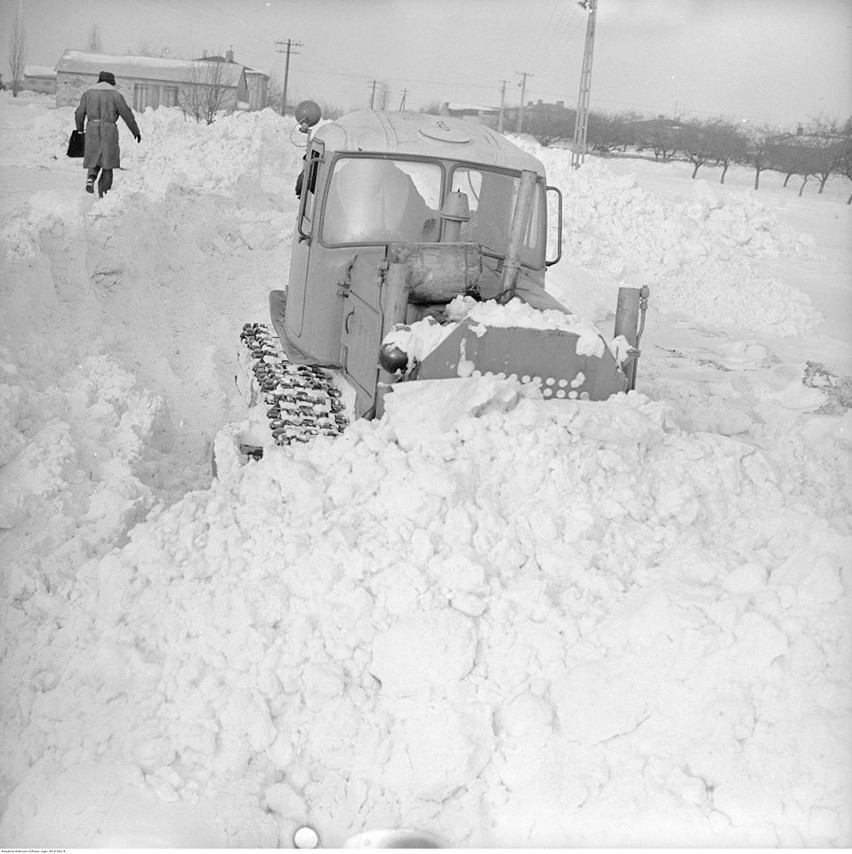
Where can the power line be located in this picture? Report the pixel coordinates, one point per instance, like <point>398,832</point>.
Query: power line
<point>557,40</point>
<point>546,33</point>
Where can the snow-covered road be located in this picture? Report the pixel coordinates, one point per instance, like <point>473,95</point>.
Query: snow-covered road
<point>506,621</point>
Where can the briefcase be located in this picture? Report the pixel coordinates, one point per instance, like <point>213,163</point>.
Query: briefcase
<point>77,144</point>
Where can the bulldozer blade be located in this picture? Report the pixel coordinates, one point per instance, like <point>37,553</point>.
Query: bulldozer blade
<point>547,357</point>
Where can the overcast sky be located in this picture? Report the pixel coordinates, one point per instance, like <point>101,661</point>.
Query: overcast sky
<point>779,61</point>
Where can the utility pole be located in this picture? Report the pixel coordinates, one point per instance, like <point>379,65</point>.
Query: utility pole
<point>402,102</point>
<point>290,44</point>
<point>581,123</point>
<point>373,93</point>
<point>502,105</point>
<point>523,85</point>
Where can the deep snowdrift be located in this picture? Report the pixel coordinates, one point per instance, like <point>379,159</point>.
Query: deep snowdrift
<point>508,621</point>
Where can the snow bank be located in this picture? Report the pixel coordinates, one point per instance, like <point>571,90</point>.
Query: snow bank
<point>157,277</point>
<point>524,616</point>
<point>179,154</point>
<point>696,255</point>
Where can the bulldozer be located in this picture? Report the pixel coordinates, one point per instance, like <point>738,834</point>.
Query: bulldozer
<point>407,225</point>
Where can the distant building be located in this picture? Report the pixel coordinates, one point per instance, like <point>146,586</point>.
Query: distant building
<point>488,116</point>
<point>152,81</point>
<point>39,78</point>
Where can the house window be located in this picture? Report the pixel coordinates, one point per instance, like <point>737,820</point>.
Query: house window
<point>143,96</point>
<point>170,96</point>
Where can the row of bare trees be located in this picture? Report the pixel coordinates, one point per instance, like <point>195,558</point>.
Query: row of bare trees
<point>817,151</point>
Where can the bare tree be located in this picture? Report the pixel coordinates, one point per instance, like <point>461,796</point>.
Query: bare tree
<point>817,153</point>
<point>17,50</point>
<point>759,151</point>
<point>206,93</point>
<point>330,111</point>
<point>549,126</point>
<point>609,132</point>
<point>145,48</point>
<point>661,135</point>
<point>729,145</point>
<point>844,165</point>
<point>275,93</point>
<point>94,40</point>
<point>696,147</point>
<point>826,149</point>
<point>788,156</point>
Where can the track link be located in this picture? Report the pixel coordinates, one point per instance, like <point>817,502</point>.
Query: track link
<point>302,401</point>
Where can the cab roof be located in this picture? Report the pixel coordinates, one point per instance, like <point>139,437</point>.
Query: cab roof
<point>424,135</point>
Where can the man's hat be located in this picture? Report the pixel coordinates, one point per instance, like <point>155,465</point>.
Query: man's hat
<point>106,77</point>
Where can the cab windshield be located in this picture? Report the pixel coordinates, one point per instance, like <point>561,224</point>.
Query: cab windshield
<point>379,200</point>
<point>376,200</point>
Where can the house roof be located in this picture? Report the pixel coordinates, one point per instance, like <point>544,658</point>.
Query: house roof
<point>658,124</point>
<point>470,108</point>
<point>424,135</point>
<point>146,67</point>
<point>39,71</point>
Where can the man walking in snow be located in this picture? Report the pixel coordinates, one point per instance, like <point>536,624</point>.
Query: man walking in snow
<point>102,105</point>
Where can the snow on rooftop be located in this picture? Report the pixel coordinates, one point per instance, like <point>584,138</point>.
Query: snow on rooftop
<point>70,57</point>
<point>478,108</point>
<point>39,71</point>
<point>146,67</point>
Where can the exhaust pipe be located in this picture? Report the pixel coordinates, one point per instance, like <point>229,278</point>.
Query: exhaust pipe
<point>632,304</point>
<point>455,211</point>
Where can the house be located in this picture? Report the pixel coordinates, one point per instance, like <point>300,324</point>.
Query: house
<point>539,111</point>
<point>39,78</point>
<point>257,83</point>
<point>153,81</point>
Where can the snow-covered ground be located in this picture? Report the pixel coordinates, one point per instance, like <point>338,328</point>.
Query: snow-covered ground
<point>506,621</point>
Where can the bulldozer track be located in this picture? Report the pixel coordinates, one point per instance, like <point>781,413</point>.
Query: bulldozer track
<point>302,400</point>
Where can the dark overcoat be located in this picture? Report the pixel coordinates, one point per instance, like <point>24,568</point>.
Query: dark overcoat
<point>101,106</point>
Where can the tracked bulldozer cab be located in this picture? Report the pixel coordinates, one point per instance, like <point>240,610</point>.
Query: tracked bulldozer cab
<point>382,200</point>
<point>373,182</point>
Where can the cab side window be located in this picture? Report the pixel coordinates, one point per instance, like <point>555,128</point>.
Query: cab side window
<point>306,185</point>
<point>492,197</point>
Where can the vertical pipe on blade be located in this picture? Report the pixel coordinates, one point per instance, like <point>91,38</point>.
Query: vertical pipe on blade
<point>512,264</point>
<point>394,303</point>
<point>626,324</point>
